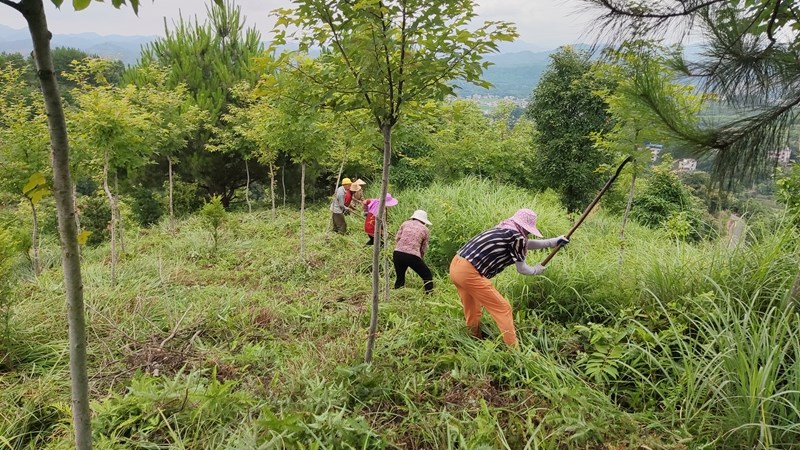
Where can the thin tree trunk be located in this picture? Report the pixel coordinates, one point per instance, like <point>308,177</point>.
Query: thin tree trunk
<point>283,182</point>
<point>386,130</point>
<point>341,169</point>
<point>386,268</point>
<point>171,190</point>
<point>302,209</point>
<point>625,218</point>
<point>113,224</point>
<point>37,266</point>
<point>33,11</point>
<point>247,187</point>
<point>75,202</point>
<point>119,216</point>
<point>272,187</point>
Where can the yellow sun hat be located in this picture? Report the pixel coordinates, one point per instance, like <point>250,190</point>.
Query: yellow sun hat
<point>346,181</point>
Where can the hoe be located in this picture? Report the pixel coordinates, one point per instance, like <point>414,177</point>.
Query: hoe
<point>588,209</point>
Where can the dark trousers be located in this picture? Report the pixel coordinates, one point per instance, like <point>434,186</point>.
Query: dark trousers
<point>371,241</point>
<point>402,261</point>
<point>339,224</point>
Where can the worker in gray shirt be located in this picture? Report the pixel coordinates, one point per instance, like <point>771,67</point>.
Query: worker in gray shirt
<point>339,208</point>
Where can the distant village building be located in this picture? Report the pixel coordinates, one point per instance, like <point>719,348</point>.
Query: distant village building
<point>687,165</point>
<point>783,156</point>
<point>655,149</point>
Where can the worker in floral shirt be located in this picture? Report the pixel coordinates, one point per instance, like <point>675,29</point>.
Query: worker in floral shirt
<point>411,245</point>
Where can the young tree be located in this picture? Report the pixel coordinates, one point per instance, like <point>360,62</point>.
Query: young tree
<point>295,123</point>
<point>382,55</point>
<point>210,59</point>
<point>33,12</point>
<point>748,60</point>
<point>243,132</point>
<point>176,116</point>
<point>117,133</point>
<point>34,190</point>
<point>631,69</point>
<point>23,144</point>
<point>567,111</point>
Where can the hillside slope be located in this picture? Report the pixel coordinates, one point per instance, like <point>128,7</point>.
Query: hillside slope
<point>253,347</point>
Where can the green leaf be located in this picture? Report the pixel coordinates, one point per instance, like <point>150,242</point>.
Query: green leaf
<point>80,5</point>
<point>37,195</point>
<point>83,237</point>
<point>58,3</point>
<point>36,180</point>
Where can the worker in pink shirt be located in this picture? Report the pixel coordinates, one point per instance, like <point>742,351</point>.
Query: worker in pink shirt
<point>411,245</point>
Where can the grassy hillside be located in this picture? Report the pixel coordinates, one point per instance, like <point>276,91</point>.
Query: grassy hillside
<point>666,345</point>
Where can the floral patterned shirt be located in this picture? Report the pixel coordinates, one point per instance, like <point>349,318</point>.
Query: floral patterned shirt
<point>412,238</point>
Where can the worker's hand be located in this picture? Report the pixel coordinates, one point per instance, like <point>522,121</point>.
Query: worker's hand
<point>538,269</point>
<point>562,241</point>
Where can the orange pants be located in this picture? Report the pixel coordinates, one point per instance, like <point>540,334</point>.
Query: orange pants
<point>477,291</point>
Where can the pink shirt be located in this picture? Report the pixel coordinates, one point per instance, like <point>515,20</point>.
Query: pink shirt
<point>412,238</point>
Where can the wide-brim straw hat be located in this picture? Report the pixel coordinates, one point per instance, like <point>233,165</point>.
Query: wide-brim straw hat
<point>360,182</point>
<point>422,216</point>
<point>527,220</point>
<point>354,187</point>
<point>374,203</point>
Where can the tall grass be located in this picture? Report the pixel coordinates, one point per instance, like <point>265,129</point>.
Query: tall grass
<point>250,346</point>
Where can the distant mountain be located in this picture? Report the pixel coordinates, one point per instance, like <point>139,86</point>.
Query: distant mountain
<point>125,48</point>
<point>522,46</point>
<point>7,33</point>
<point>514,73</point>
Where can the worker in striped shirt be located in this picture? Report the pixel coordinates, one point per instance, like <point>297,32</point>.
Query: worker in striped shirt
<point>486,255</point>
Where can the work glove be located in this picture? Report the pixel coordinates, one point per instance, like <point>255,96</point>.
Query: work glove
<point>562,241</point>
<point>538,269</point>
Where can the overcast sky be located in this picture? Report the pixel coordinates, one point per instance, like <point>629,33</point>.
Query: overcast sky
<point>544,23</point>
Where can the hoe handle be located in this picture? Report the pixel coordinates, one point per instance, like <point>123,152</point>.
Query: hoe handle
<point>588,210</point>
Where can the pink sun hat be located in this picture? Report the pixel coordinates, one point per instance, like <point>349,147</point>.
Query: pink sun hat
<point>374,203</point>
<point>527,220</point>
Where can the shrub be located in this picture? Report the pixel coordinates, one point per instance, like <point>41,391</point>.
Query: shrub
<point>789,191</point>
<point>86,186</point>
<point>186,197</point>
<point>154,409</point>
<point>147,207</point>
<point>95,215</point>
<point>214,217</point>
<point>662,197</point>
<point>18,232</point>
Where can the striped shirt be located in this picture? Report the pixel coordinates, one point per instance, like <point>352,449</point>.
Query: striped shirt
<point>493,250</point>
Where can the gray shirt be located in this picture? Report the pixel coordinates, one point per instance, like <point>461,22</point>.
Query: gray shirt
<point>337,206</point>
